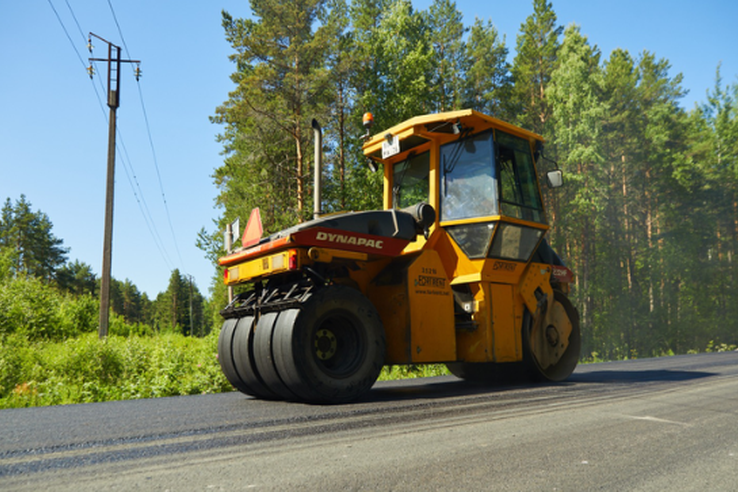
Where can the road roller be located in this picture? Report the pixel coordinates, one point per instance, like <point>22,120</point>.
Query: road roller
<point>455,269</point>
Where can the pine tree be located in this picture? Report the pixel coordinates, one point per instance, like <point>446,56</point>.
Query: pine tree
<point>173,307</point>
<point>535,61</point>
<point>446,31</point>
<point>486,81</point>
<point>26,238</point>
<point>77,278</point>
<point>281,85</point>
<point>575,97</point>
<point>621,149</point>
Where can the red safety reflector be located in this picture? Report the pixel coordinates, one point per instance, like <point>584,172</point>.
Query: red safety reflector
<point>254,230</point>
<point>293,260</point>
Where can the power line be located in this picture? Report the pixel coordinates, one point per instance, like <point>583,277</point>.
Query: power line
<point>120,32</point>
<point>158,175</point>
<point>151,142</point>
<point>127,164</point>
<point>144,207</point>
<point>81,33</point>
<point>147,218</point>
<point>74,47</point>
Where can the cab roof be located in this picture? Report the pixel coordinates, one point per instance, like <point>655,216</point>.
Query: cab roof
<point>440,126</point>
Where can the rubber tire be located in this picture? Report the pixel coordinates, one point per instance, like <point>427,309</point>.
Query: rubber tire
<point>283,355</point>
<point>264,358</point>
<point>225,355</point>
<point>360,346</point>
<point>243,360</point>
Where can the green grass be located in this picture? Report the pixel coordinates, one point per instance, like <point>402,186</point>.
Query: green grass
<point>86,369</point>
<point>391,373</point>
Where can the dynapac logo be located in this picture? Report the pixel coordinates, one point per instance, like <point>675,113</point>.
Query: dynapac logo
<point>344,239</point>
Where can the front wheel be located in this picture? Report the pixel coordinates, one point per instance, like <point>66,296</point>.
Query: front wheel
<point>331,350</point>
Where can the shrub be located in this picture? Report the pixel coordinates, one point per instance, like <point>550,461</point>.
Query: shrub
<point>86,369</point>
<point>37,311</point>
<point>78,314</point>
<point>29,308</point>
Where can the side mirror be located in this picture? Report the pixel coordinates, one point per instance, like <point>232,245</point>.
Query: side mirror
<point>555,178</point>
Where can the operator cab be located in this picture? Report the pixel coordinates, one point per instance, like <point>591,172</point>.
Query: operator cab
<point>477,172</point>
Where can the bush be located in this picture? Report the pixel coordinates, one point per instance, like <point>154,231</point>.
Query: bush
<point>86,369</point>
<point>37,311</point>
<point>78,315</point>
<point>29,308</point>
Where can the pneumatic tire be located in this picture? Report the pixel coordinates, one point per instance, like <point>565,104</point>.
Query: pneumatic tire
<point>264,357</point>
<point>332,349</point>
<point>225,355</point>
<point>243,360</point>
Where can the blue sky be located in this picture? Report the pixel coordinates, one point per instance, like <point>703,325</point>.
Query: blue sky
<point>53,131</point>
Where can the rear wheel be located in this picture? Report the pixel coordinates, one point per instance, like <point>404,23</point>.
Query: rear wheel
<point>331,350</point>
<point>264,358</point>
<point>551,347</point>
<point>243,360</point>
<point>225,355</point>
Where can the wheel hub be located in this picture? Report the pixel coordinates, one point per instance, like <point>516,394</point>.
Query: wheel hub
<point>325,344</point>
<point>552,335</point>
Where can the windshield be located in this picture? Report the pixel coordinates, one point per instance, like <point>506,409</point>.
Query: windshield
<point>481,177</point>
<point>468,178</point>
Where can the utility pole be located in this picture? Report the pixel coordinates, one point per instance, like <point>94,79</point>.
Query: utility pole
<point>192,327</point>
<point>114,62</point>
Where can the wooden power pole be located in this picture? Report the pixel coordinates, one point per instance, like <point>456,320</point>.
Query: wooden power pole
<point>114,62</point>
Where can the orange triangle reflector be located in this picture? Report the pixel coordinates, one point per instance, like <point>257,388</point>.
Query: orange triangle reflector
<point>252,233</point>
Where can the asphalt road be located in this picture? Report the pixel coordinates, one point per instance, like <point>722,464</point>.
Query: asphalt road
<point>645,425</point>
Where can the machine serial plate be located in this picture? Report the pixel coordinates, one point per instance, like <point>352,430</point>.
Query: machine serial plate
<point>390,146</point>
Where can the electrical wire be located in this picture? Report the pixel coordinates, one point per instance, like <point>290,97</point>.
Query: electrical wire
<point>74,47</point>
<point>75,19</point>
<point>151,141</point>
<point>127,165</point>
<point>158,175</point>
<point>143,207</point>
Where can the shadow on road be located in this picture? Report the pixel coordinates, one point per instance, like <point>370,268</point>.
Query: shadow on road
<point>449,386</point>
<point>440,387</point>
<point>644,376</point>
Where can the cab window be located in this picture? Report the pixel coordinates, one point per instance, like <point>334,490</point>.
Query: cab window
<point>519,195</point>
<point>410,181</point>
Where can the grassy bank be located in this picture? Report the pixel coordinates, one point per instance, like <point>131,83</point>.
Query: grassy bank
<point>85,369</point>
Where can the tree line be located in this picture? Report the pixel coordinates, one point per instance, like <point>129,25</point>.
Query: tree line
<point>34,267</point>
<point>648,219</point>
